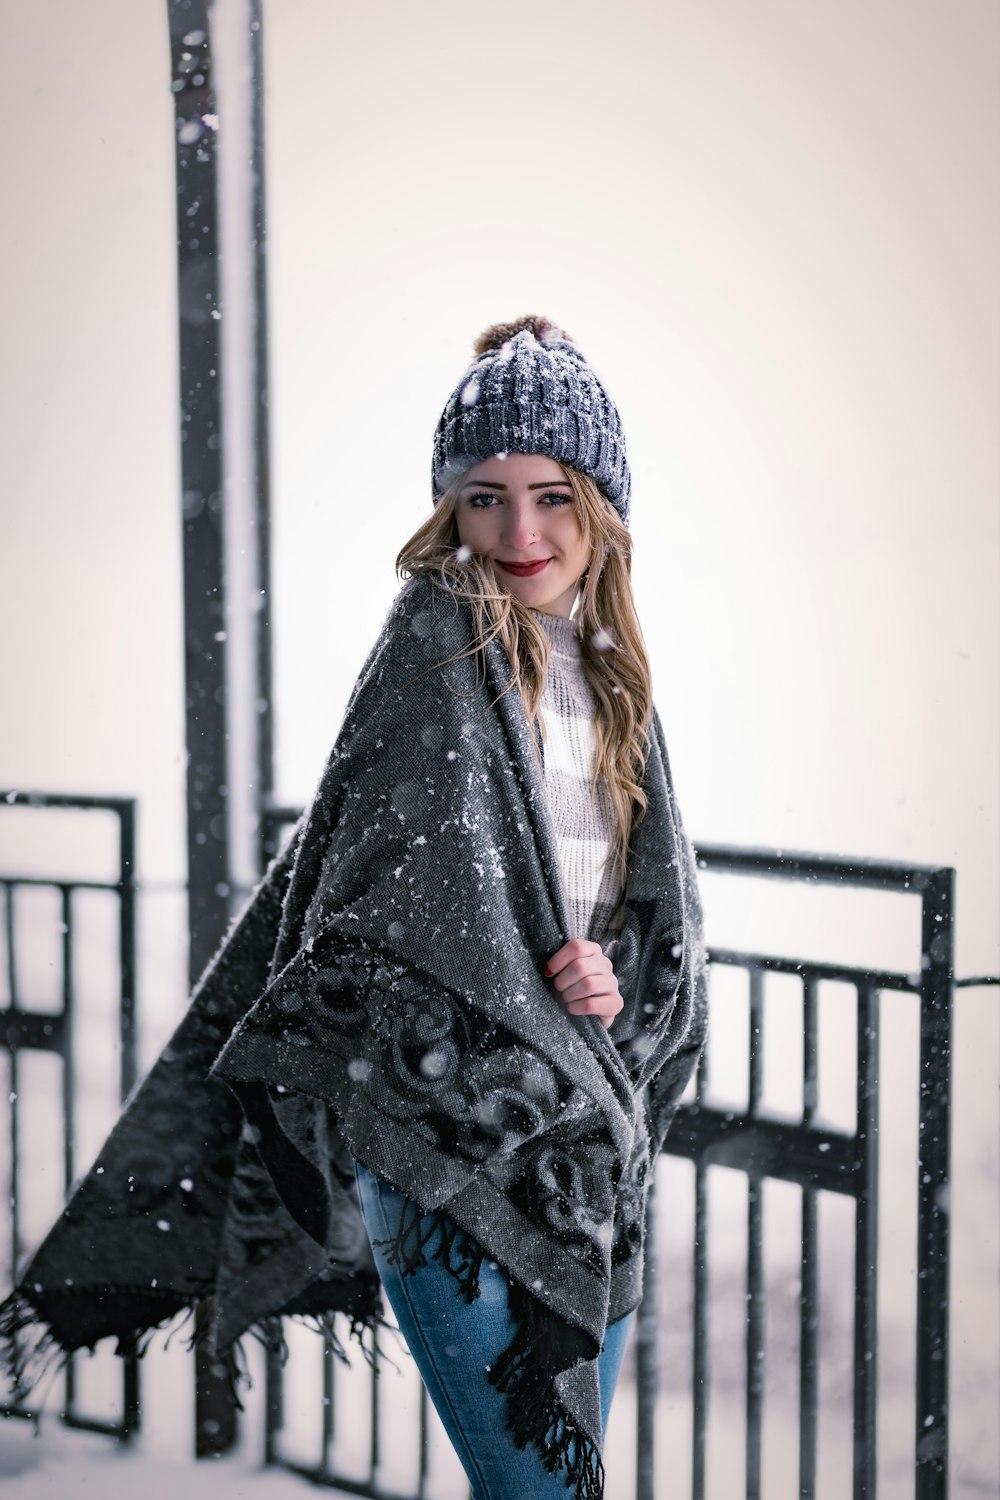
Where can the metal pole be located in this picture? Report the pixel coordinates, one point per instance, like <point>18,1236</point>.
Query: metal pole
<point>866,1224</point>
<point>127,813</point>
<point>203,555</point>
<point>201,479</point>
<point>933,1186</point>
<point>261,435</point>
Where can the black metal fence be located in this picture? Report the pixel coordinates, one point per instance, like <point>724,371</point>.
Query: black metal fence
<point>819,1159</point>
<point>806,1153</point>
<point>812,1156</point>
<point>28,1026</point>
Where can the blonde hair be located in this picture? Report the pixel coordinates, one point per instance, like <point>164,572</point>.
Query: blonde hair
<point>614,654</point>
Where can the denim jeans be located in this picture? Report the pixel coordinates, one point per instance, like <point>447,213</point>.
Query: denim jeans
<point>454,1344</point>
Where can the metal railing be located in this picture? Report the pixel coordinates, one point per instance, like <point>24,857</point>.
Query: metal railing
<point>25,1026</point>
<point>805,1152</point>
<point>820,1159</point>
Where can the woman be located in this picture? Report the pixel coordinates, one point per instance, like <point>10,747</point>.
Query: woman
<point>460,1009</point>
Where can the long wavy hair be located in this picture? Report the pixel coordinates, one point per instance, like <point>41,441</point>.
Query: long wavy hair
<point>614,654</point>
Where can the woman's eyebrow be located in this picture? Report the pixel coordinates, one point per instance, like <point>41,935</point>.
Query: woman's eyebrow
<point>548,484</point>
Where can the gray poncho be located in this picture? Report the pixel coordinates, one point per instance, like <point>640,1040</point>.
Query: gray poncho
<point>380,998</point>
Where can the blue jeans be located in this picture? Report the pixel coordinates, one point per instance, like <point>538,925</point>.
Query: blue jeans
<point>454,1344</point>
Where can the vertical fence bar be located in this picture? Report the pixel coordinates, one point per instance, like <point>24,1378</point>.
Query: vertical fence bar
<point>933,1186</point>
<point>808,1340</point>
<point>68,1072</point>
<point>132,1405</point>
<point>328,1397</point>
<point>701,1373</point>
<point>700,1364</point>
<point>68,1067</point>
<point>810,1050</point>
<point>866,1249</point>
<point>424,1446</point>
<point>754,1334</point>
<point>376,1436</point>
<point>68,1092</point>
<point>13,1086</point>
<point>274,1403</point>
<point>14,1081</point>
<point>646,1360</point>
<point>756,1040</point>
<point>128,1039</point>
<point>809,1301</point>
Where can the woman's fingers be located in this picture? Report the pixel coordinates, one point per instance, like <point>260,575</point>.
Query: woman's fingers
<point>594,982</point>
<point>574,961</point>
<point>576,948</point>
<point>584,980</point>
<point>596,1005</point>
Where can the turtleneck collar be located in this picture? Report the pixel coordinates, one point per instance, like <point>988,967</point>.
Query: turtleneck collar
<point>562,634</point>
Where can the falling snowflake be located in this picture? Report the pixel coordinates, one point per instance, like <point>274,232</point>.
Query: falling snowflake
<point>434,1064</point>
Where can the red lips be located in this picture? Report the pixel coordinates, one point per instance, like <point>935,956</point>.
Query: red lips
<point>523,570</point>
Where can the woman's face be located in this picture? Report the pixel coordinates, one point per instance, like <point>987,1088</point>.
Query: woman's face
<point>520,511</point>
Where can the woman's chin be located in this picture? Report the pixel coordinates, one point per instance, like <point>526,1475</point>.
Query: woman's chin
<point>547,601</point>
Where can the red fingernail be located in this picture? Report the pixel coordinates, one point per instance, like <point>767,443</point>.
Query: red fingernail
<point>547,972</point>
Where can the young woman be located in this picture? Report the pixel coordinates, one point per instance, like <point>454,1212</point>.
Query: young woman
<point>460,1009</point>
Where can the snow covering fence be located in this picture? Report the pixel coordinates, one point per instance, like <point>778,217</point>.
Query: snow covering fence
<point>746,1321</point>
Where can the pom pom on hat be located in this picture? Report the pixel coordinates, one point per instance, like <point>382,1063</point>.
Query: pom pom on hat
<point>530,390</point>
<point>499,334</point>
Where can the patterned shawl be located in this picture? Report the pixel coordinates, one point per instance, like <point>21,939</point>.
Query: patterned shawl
<point>380,998</point>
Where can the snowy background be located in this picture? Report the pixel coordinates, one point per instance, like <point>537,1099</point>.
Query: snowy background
<point>775,231</point>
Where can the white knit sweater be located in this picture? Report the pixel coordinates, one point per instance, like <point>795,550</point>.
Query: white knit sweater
<point>584,830</point>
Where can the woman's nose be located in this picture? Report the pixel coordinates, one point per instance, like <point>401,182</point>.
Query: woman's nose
<point>520,526</point>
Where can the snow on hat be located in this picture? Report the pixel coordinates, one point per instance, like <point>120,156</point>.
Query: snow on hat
<point>530,390</point>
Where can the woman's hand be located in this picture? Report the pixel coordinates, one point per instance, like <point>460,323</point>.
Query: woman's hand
<point>584,980</point>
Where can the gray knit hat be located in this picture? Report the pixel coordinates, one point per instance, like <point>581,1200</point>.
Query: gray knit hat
<point>530,390</point>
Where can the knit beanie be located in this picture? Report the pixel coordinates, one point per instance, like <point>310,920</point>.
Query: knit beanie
<point>530,390</point>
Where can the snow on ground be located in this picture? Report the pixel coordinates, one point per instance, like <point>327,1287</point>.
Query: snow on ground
<point>60,1463</point>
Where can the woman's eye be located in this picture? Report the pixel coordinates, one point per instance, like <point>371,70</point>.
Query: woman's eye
<point>557,499</point>
<point>481,502</point>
